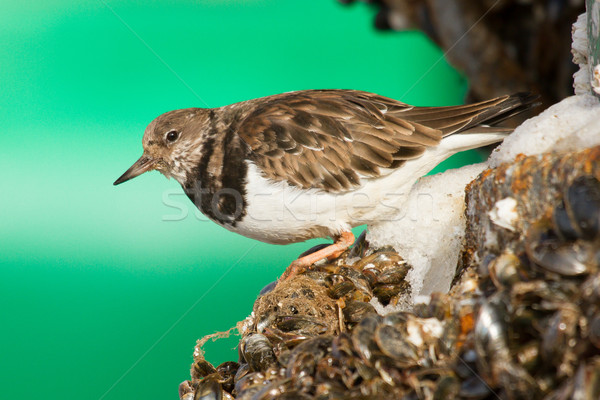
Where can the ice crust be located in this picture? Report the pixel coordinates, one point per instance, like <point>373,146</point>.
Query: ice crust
<point>429,233</point>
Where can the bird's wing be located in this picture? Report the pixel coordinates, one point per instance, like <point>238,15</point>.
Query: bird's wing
<point>329,139</point>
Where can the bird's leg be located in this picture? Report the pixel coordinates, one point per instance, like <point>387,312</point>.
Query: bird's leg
<point>341,244</point>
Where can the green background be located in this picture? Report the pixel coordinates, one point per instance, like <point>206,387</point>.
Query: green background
<point>102,296</point>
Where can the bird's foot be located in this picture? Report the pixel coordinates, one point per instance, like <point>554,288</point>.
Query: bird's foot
<point>330,252</point>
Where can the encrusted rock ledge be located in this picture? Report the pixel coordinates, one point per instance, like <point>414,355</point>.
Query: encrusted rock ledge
<point>503,204</point>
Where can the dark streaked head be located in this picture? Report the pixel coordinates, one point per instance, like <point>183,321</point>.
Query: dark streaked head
<point>171,144</point>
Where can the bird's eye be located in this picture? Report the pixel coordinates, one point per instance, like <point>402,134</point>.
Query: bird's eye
<point>172,136</point>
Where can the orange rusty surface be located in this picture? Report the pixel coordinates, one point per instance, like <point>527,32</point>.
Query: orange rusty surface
<point>522,179</point>
<point>467,323</point>
<point>485,173</point>
<point>520,157</point>
<point>590,164</point>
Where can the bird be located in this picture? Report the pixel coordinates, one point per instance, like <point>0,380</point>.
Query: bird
<point>312,163</point>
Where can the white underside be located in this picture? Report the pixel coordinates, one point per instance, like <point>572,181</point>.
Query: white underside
<point>280,213</point>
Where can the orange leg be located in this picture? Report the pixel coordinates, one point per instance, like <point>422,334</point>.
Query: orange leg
<point>340,245</point>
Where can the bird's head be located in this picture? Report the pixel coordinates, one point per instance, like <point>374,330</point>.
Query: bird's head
<point>171,145</point>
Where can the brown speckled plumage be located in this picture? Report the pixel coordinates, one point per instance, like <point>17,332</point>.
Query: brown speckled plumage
<point>326,138</point>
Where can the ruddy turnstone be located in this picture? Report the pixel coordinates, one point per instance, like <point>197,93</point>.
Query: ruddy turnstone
<point>312,163</point>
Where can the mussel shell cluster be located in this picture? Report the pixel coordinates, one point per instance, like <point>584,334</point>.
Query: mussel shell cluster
<point>522,325</point>
<point>305,330</point>
<point>536,331</point>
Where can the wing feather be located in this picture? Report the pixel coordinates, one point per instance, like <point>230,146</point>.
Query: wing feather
<point>328,139</point>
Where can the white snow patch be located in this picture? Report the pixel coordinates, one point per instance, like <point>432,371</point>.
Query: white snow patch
<point>423,299</point>
<point>404,304</point>
<point>504,213</point>
<point>430,232</point>
<point>579,49</point>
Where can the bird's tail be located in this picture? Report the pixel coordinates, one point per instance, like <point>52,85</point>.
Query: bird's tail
<point>455,119</point>
<point>481,130</point>
<point>510,106</point>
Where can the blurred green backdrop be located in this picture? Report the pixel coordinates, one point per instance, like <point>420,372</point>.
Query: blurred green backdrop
<point>105,290</point>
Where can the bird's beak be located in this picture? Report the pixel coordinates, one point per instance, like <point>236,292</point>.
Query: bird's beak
<point>144,164</point>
